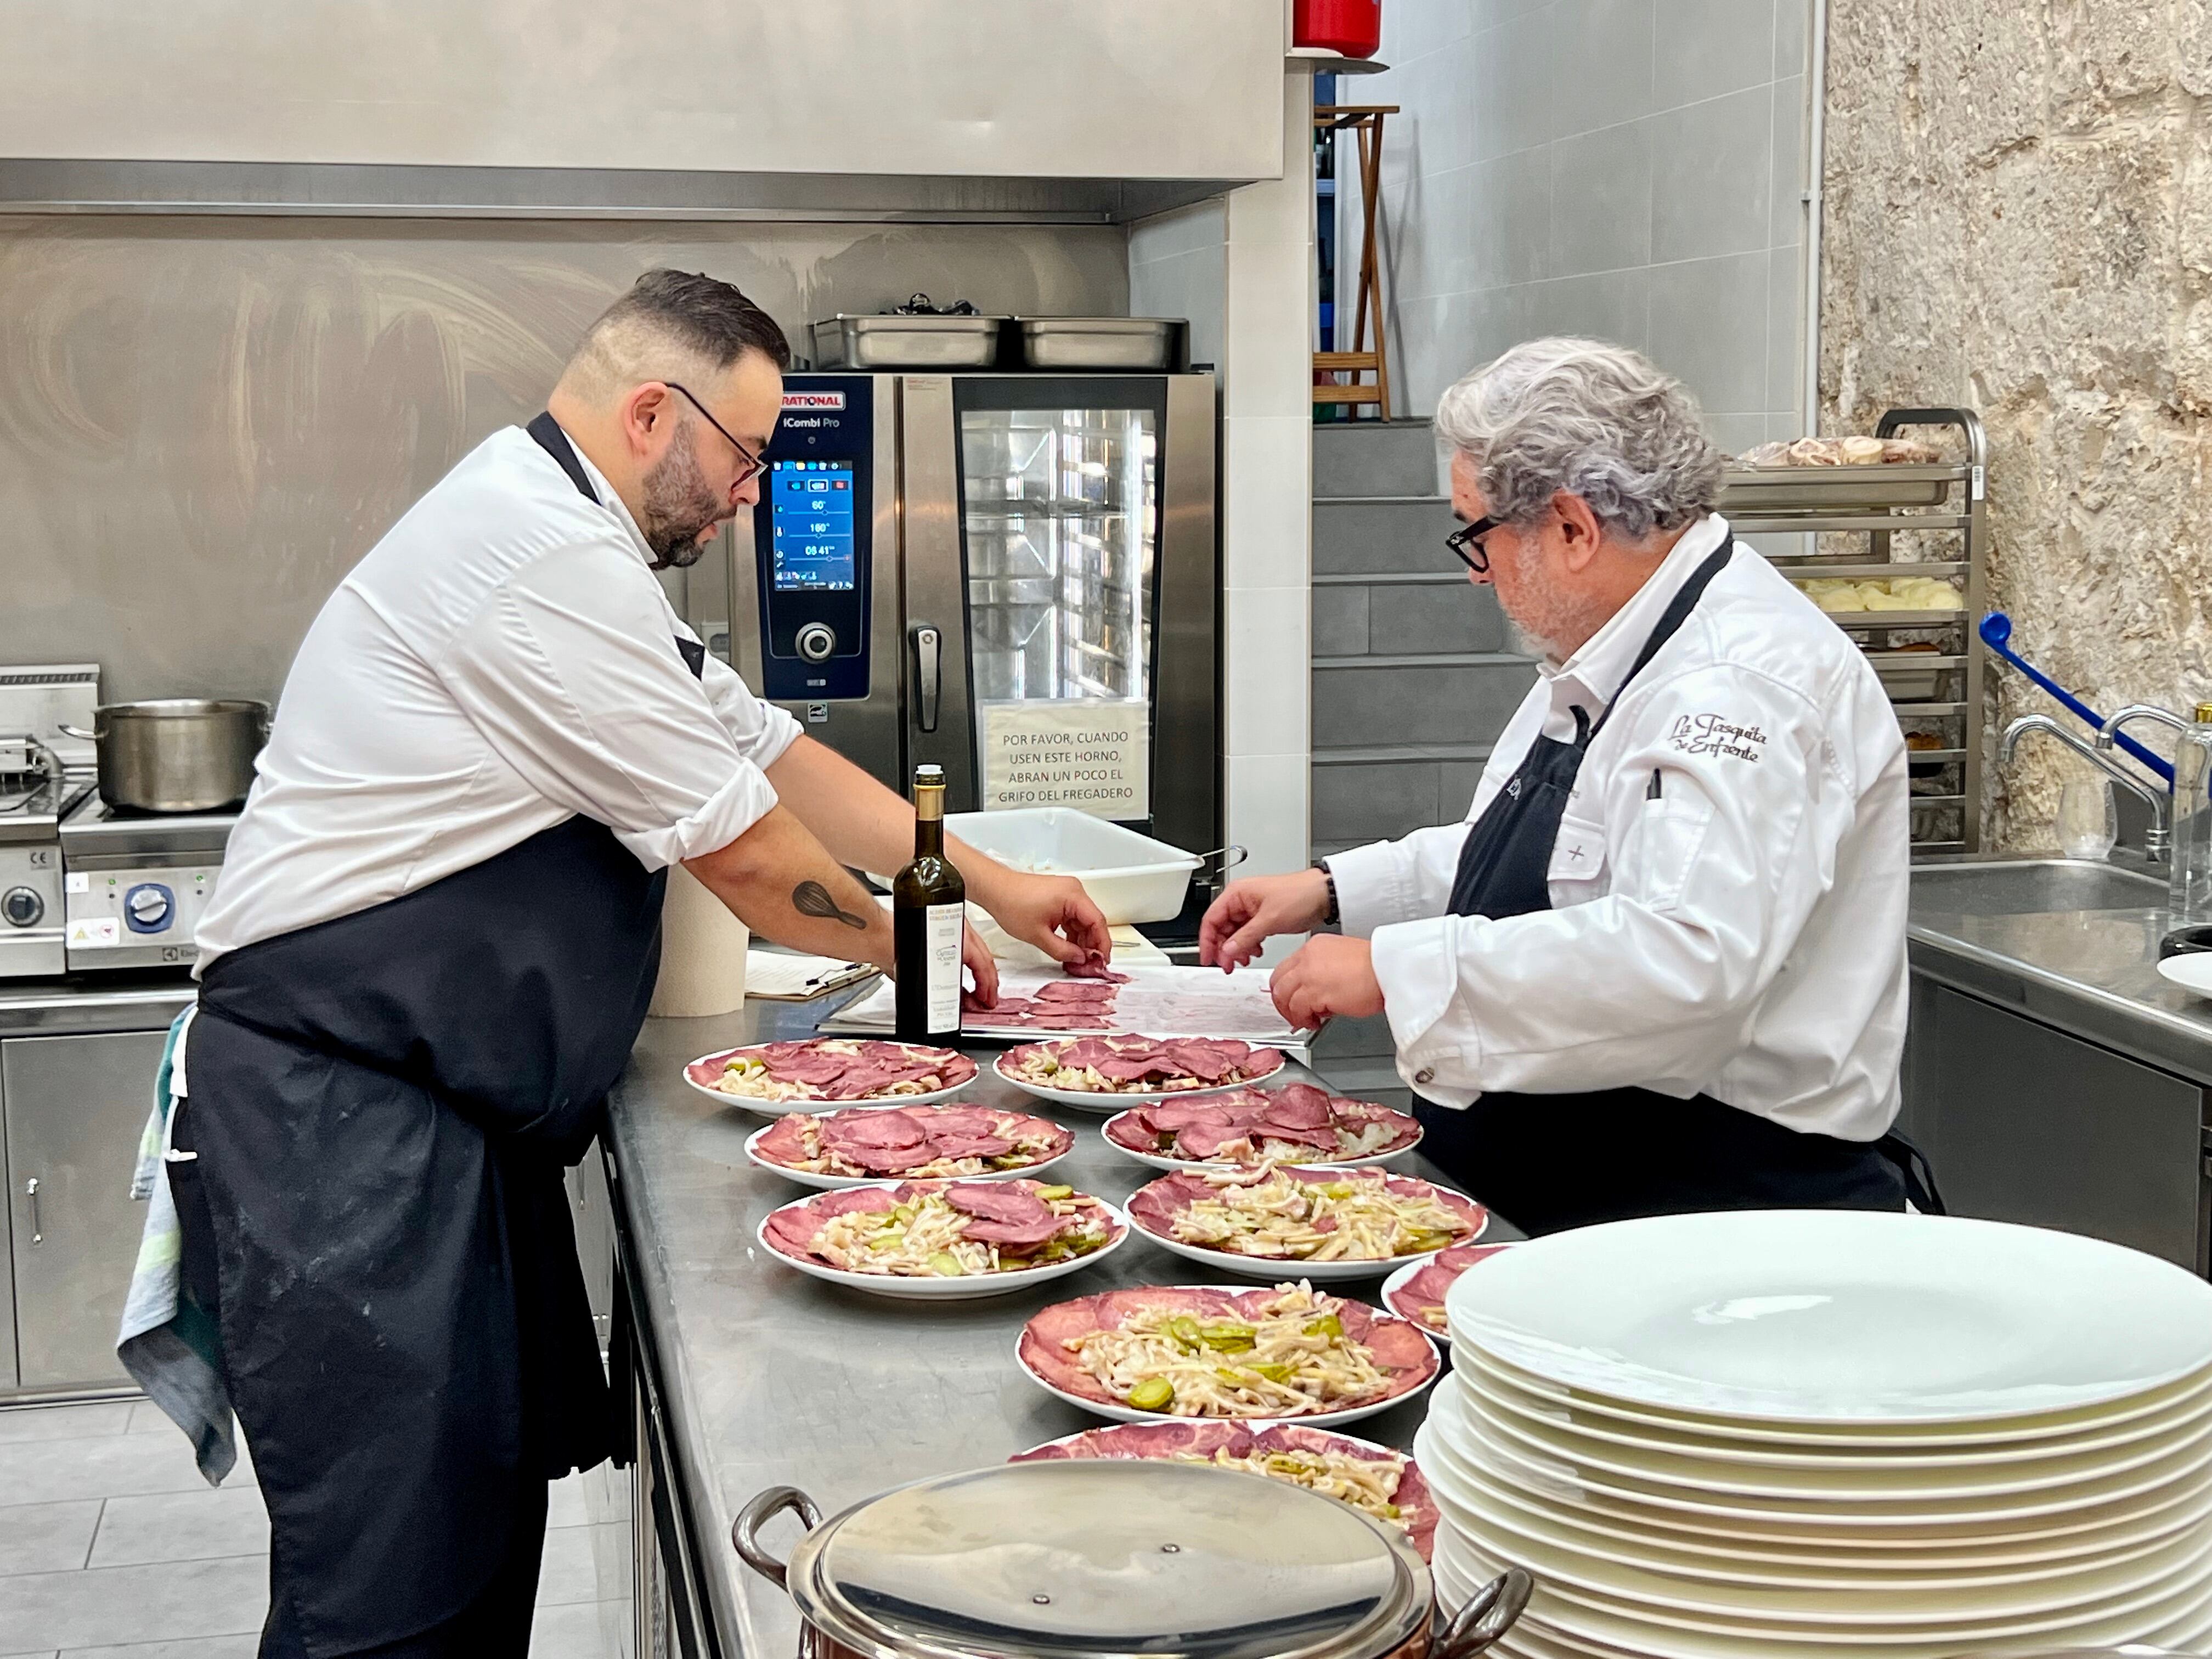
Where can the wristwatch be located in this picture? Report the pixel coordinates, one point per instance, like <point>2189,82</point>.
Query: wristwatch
<point>1331,916</point>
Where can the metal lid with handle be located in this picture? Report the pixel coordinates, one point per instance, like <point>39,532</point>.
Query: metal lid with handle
<point>1091,1559</point>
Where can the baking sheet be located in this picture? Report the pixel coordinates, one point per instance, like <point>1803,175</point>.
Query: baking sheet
<point>1167,1001</point>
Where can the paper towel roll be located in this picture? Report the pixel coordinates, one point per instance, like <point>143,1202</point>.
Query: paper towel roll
<point>703,952</point>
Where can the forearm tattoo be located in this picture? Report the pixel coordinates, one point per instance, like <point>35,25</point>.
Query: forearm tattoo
<point>811,898</point>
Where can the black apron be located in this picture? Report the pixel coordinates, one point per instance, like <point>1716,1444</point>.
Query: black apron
<point>383,1105</point>
<point>1550,1162</point>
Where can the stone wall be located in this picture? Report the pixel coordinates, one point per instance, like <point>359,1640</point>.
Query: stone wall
<point>2020,219</point>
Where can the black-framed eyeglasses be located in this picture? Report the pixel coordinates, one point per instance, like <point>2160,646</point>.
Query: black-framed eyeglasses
<point>1466,542</point>
<point>754,464</point>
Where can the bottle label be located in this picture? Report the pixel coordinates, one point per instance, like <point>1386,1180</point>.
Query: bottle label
<point>941,933</point>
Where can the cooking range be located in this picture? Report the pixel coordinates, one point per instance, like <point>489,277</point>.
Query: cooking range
<point>85,886</point>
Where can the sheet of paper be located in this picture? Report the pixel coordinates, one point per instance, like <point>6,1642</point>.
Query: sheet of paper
<point>793,976</point>
<point>1086,753</point>
<point>1165,1002</point>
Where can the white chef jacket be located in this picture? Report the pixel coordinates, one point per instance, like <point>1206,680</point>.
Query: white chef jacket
<point>503,660</point>
<point>1741,934</point>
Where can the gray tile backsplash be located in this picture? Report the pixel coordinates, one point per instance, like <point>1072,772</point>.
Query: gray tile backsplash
<point>1373,800</point>
<point>1577,166</point>
<point>1339,622</point>
<point>1460,703</point>
<point>1409,618</point>
<point>1371,538</point>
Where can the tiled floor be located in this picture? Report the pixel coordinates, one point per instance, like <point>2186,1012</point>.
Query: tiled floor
<point>112,1546</point>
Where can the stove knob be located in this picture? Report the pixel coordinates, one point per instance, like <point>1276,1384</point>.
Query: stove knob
<point>22,907</point>
<point>147,907</point>
<point>816,641</point>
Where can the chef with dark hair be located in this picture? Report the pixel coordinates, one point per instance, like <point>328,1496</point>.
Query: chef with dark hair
<point>432,951</point>
<point>1660,966</point>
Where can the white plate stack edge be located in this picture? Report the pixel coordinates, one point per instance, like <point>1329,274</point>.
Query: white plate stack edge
<point>1828,1434</point>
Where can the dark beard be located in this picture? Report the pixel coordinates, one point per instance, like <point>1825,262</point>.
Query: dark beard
<point>678,505</point>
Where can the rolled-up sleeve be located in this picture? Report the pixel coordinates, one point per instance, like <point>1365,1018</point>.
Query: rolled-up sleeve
<point>569,669</point>
<point>1648,968</point>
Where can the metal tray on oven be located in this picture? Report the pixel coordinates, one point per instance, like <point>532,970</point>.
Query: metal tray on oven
<point>1096,342</point>
<point>1749,490</point>
<point>906,342</point>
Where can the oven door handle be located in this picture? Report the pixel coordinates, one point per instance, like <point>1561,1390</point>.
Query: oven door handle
<point>928,672</point>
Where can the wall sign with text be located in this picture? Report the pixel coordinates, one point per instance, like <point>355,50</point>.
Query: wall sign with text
<point>1090,755</point>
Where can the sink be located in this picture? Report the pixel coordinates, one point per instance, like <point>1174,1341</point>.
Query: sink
<point>2021,887</point>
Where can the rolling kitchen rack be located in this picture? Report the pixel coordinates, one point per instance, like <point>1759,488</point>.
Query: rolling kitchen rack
<point>1936,693</point>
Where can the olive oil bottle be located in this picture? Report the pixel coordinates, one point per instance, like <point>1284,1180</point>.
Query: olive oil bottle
<point>929,910</point>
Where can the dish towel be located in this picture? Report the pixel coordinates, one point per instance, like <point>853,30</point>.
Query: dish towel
<point>170,1344</point>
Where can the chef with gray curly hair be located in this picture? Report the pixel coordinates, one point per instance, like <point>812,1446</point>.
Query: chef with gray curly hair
<point>1660,967</point>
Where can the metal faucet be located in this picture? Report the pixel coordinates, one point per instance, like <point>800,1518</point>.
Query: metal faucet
<point>2110,729</point>
<point>2156,838</point>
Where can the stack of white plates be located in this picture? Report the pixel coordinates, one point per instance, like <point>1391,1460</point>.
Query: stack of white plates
<point>1830,1435</point>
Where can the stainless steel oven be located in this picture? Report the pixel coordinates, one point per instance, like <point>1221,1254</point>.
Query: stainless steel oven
<point>1015,576</point>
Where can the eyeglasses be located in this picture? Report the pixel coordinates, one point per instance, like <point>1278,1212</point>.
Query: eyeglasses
<point>1466,542</point>
<point>754,466</point>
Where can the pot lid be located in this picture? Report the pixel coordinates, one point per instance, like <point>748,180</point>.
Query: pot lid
<point>1103,1559</point>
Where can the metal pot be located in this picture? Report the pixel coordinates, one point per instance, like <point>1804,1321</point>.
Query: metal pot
<point>176,754</point>
<point>1092,1558</point>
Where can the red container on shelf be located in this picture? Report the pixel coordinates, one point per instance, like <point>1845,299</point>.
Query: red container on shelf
<point>1353,27</point>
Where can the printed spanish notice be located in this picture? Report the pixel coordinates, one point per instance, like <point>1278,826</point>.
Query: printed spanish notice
<point>1089,754</point>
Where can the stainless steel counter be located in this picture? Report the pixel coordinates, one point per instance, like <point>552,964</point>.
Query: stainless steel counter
<point>769,1377</point>
<point>2086,962</point>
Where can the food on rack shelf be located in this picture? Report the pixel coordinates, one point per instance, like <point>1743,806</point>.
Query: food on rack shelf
<point>1843,452</point>
<point>1296,1124</point>
<point>920,1141</point>
<point>1282,1214</point>
<point>943,1230</point>
<point>1137,1064</point>
<point>831,1069</point>
<point>1374,1480</point>
<point>1421,1298</point>
<point>1197,1352</point>
<point>1840,595</point>
<point>1922,742</point>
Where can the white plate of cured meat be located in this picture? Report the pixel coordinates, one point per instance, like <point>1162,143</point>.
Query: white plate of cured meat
<point>826,1073</point>
<point>1372,1361</point>
<point>1416,1290</point>
<point>1105,1073</point>
<point>1244,1128</point>
<point>967,1222</point>
<point>863,1145</point>
<point>1374,1480</point>
<point>1388,1219</point>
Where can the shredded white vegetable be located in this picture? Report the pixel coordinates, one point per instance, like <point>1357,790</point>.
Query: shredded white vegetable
<point>1292,1360</point>
<point>1042,1066</point>
<point>922,1239</point>
<point>1368,1484</point>
<point>1354,1218</point>
<point>1030,1145</point>
<point>747,1075</point>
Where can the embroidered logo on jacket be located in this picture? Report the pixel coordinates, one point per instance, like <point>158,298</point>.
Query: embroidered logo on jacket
<point>1711,735</point>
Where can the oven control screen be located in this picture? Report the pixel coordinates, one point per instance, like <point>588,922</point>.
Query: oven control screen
<point>810,519</point>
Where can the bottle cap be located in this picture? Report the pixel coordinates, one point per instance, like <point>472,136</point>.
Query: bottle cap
<point>924,776</point>
<point>2204,714</point>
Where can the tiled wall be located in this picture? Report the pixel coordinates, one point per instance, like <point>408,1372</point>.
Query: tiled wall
<point>1625,169</point>
<point>1243,271</point>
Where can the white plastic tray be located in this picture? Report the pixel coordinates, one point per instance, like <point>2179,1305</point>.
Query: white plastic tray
<point>1132,877</point>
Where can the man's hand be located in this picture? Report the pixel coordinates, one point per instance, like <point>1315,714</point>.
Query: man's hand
<point>1324,977</point>
<point>981,967</point>
<point>1249,913</point>
<point>1050,912</point>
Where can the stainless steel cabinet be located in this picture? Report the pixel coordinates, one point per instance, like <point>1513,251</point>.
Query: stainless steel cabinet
<point>2024,1122</point>
<point>74,1107</point>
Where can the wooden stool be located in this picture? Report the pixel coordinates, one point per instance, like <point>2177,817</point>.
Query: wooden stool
<point>1365,120</point>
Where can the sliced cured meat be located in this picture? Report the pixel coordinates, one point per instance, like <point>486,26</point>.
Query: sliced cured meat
<point>1208,1142</point>
<point>794,1228</point>
<point>1395,1343</point>
<point>1191,1437</point>
<point>1128,1068</point>
<point>1085,1051</point>
<point>1235,1048</point>
<point>816,1070</point>
<point>894,1128</point>
<point>1091,968</point>
<point>1172,1115</point>
<point>887,1160</point>
<point>1129,1130</point>
<point>1294,1134</point>
<point>1421,1298</point>
<point>997,1200</point>
<point>786,1139</point>
<point>1155,1205</point>
<point>1258,1062</point>
<point>1061,990</point>
<point>1014,1235</point>
<point>1299,1105</point>
<point>971,1146</point>
<point>1201,1060</point>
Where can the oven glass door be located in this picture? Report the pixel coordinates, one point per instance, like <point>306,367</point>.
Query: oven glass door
<point>1060,522</point>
